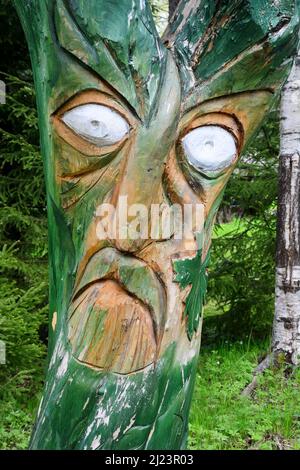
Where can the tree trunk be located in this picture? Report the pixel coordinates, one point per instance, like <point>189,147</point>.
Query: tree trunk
<point>118,112</point>
<point>286,329</point>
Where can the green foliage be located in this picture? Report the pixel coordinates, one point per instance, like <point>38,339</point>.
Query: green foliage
<point>23,241</point>
<point>240,291</point>
<point>14,55</point>
<point>160,11</point>
<point>222,419</point>
<point>241,279</point>
<point>15,426</point>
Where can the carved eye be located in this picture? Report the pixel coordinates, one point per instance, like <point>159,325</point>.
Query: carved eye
<point>210,148</point>
<point>97,124</point>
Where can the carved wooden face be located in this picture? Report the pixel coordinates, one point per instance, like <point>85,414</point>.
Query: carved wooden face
<point>132,127</point>
<point>127,306</point>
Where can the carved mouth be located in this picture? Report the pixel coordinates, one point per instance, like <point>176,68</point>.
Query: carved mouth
<point>117,313</point>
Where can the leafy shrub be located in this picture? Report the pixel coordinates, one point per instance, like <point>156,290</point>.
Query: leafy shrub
<point>23,243</point>
<point>241,284</point>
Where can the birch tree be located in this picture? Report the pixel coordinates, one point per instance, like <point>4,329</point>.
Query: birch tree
<point>154,122</point>
<point>286,329</point>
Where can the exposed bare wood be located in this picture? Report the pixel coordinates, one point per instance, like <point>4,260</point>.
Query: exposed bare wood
<point>262,366</point>
<point>125,337</point>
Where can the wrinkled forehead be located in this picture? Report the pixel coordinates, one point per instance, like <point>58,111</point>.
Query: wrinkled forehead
<point>118,43</point>
<point>220,49</point>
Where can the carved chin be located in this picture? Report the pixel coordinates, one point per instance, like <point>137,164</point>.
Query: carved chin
<point>111,329</point>
<point>117,314</point>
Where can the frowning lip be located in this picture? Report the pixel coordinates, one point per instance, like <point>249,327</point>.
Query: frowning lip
<point>133,275</point>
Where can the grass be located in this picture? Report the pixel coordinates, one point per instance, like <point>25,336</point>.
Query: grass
<point>236,225</point>
<point>15,426</point>
<point>18,408</point>
<point>222,419</point>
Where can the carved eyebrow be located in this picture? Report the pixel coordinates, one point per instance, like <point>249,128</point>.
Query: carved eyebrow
<point>198,98</point>
<point>96,96</point>
<point>214,118</point>
<point>247,109</point>
<point>110,92</point>
<point>215,54</point>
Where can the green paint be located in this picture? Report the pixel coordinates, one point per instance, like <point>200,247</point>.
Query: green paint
<point>193,272</point>
<point>245,49</point>
<point>219,48</point>
<point>146,410</point>
<point>107,37</point>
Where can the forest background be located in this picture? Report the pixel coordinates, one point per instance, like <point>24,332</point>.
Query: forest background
<point>240,300</point>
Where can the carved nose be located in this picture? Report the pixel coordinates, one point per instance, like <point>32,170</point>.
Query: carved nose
<point>139,187</point>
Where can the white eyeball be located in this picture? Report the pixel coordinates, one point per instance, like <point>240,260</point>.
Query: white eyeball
<point>209,148</point>
<point>96,123</point>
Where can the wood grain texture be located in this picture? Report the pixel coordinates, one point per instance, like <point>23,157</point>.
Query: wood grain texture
<point>233,46</point>
<point>125,313</point>
<point>286,326</point>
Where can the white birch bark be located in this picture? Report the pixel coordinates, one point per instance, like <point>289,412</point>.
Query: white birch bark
<point>286,328</point>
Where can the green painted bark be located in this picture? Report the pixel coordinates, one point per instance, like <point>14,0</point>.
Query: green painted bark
<point>125,312</point>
